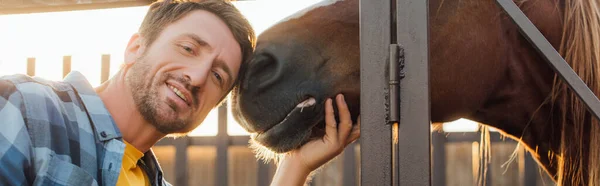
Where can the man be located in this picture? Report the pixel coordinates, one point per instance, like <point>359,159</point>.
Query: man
<point>182,63</point>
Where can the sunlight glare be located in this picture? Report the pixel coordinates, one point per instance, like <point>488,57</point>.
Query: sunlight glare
<point>461,125</point>
<point>209,126</point>
<point>88,34</point>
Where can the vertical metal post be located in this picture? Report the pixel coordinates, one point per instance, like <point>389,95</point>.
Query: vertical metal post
<point>222,148</point>
<point>181,161</point>
<point>439,158</point>
<point>66,65</point>
<point>105,70</point>
<point>31,66</point>
<point>414,131</point>
<point>530,168</point>
<point>376,136</point>
<point>485,166</point>
<point>263,173</point>
<point>349,164</point>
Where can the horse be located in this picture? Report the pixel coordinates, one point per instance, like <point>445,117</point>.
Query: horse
<point>481,68</point>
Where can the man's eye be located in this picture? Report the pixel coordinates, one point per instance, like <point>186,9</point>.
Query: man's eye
<point>218,76</point>
<point>188,49</point>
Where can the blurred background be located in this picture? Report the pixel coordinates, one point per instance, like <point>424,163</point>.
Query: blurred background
<point>50,38</point>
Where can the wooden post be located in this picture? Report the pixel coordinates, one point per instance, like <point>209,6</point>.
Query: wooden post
<point>31,66</point>
<point>105,70</point>
<point>222,175</point>
<point>66,65</point>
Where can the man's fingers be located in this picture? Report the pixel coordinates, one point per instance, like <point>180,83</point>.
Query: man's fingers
<point>344,115</point>
<point>355,134</point>
<point>330,123</point>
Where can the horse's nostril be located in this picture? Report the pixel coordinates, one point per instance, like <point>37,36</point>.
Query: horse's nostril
<point>264,70</point>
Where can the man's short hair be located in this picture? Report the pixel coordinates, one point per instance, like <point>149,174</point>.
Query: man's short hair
<point>162,13</point>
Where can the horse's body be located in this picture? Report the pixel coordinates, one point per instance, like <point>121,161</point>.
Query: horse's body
<point>481,68</point>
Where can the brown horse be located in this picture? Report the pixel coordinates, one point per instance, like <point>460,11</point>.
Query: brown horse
<point>481,68</point>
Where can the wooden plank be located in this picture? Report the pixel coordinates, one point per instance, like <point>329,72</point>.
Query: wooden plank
<point>38,6</point>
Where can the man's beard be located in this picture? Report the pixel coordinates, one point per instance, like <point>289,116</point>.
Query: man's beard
<point>146,98</point>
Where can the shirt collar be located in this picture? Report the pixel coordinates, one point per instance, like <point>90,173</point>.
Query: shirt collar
<point>102,121</point>
<point>150,164</point>
<point>132,155</point>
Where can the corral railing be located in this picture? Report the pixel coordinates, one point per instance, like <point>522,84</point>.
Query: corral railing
<point>395,131</point>
<point>224,159</point>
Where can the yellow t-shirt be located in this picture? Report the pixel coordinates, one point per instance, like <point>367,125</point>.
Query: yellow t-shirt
<point>131,174</point>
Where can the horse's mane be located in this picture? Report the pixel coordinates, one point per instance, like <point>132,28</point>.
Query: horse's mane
<point>580,46</point>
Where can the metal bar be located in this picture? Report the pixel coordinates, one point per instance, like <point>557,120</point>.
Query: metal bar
<point>349,174</point>
<point>207,141</point>
<point>454,137</point>
<point>66,65</point>
<point>263,173</point>
<point>221,176</point>
<point>450,137</point>
<point>31,66</point>
<point>375,142</point>
<point>394,82</point>
<point>238,140</point>
<point>105,70</point>
<point>395,155</point>
<point>194,141</point>
<point>530,168</point>
<point>485,167</point>
<point>535,37</point>
<point>414,132</point>
<point>439,158</point>
<point>204,140</point>
<point>181,161</point>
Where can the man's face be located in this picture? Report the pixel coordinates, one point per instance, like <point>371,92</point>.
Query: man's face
<point>184,73</point>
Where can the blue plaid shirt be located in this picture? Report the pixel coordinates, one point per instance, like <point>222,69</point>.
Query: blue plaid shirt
<point>60,133</point>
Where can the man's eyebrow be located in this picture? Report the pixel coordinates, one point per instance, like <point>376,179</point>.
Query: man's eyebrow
<point>218,63</point>
<point>221,64</point>
<point>198,40</point>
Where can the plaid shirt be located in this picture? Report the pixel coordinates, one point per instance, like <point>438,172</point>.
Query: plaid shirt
<point>60,133</point>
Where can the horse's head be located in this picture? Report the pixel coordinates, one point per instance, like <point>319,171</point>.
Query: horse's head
<point>481,68</point>
<point>297,65</point>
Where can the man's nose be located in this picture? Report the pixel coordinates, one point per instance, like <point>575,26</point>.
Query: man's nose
<point>198,73</point>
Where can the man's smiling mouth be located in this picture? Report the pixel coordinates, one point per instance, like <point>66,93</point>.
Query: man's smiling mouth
<point>178,93</point>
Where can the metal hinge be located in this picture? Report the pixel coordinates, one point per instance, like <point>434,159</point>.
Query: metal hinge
<point>396,73</point>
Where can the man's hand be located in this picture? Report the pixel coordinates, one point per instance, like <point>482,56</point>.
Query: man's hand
<point>295,166</point>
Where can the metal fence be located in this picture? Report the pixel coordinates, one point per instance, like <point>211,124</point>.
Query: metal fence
<point>394,35</point>
<point>410,158</point>
<point>349,174</point>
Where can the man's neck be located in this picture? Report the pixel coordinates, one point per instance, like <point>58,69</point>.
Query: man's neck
<point>119,102</point>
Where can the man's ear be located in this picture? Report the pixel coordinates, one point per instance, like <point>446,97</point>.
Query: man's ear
<point>135,49</point>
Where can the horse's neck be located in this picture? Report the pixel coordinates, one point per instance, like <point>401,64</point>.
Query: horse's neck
<point>483,69</point>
